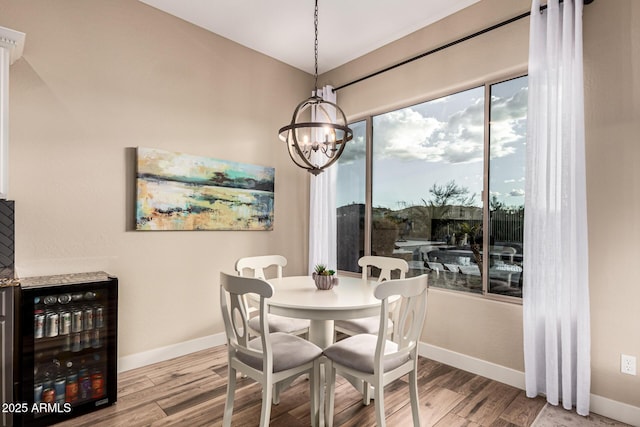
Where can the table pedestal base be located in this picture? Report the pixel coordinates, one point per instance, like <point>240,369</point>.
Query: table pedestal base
<point>321,333</point>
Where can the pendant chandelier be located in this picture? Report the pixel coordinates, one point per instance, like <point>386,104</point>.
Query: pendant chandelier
<point>315,138</point>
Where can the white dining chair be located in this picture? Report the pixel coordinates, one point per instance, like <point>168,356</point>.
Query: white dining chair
<point>369,325</point>
<point>255,266</point>
<point>268,359</point>
<point>451,273</point>
<point>377,360</point>
<point>447,273</point>
<point>510,252</point>
<point>435,266</point>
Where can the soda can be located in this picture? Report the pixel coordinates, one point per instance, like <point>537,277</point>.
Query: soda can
<point>97,384</point>
<point>84,384</point>
<point>51,324</point>
<point>49,395</point>
<point>97,340</point>
<point>65,322</point>
<point>50,299</point>
<point>86,339</point>
<point>60,385</point>
<point>66,346</point>
<point>71,394</point>
<point>76,320</point>
<point>98,316</point>
<point>88,318</point>
<point>64,299</point>
<point>76,342</point>
<point>37,393</point>
<point>38,329</point>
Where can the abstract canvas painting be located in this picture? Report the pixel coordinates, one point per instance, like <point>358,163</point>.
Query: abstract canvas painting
<point>177,191</point>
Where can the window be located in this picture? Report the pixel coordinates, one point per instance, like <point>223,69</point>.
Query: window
<point>350,199</point>
<point>441,173</point>
<point>507,137</point>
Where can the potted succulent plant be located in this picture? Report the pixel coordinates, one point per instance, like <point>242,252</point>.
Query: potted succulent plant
<point>324,278</point>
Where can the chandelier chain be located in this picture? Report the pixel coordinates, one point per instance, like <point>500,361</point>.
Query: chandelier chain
<point>315,22</point>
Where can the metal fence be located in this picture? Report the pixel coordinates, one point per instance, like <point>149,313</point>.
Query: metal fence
<point>507,226</point>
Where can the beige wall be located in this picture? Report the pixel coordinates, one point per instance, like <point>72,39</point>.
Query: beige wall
<point>99,78</point>
<point>492,330</point>
<point>612,113</point>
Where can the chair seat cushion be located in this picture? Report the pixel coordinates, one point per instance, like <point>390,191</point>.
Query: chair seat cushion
<point>277,323</point>
<point>357,352</point>
<point>367,325</point>
<point>289,351</point>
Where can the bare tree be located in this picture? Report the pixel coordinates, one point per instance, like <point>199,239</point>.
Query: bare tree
<point>495,204</point>
<point>447,195</point>
<point>451,193</point>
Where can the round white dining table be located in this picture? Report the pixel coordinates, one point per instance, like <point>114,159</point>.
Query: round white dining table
<point>297,296</point>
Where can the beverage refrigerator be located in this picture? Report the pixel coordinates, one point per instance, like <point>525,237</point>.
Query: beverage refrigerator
<point>67,347</point>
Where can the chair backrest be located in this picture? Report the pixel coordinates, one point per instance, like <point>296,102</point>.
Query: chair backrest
<point>259,263</point>
<point>472,270</point>
<point>233,290</point>
<point>435,266</point>
<point>408,325</point>
<point>453,267</point>
<point>509,251</point>
<point>385,264</point>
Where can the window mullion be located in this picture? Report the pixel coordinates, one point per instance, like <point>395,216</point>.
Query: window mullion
<point>368,208</point>
<point>486,224</point>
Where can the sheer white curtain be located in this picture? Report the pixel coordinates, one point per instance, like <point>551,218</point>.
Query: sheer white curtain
<point>322,209</point>
<point>556,287</point>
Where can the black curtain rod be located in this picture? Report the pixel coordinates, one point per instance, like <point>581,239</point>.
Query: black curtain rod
<point>448,45</point>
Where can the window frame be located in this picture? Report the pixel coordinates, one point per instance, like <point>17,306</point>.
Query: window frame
<point>485,196</point>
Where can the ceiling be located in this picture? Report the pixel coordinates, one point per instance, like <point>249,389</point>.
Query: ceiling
<point>283,29</point>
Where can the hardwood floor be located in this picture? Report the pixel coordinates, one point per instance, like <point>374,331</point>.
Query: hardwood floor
<point>191,390</point>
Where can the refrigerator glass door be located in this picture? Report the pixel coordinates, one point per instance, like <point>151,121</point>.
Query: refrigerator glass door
<point>68,346</point>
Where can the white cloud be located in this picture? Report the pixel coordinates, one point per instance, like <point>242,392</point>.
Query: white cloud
<point>516,192</point>
<point>407,134</point>
<point>508,122</point>
<point>355,150</point>
<point>440,100</point>
<point>414,134</point>
<point>404,134</point>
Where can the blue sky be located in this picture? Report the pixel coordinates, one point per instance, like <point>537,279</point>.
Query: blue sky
<point>439,141</point>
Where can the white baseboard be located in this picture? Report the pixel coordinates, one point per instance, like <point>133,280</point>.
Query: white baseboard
<point>600,405</point>
<point>615,410</point>
<point>471,364</point>
<point>161,354</point>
